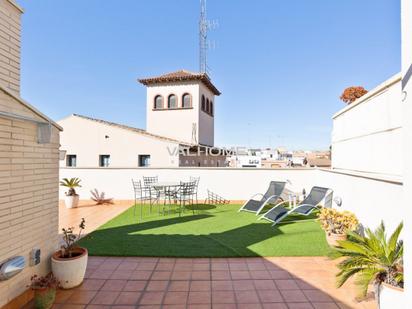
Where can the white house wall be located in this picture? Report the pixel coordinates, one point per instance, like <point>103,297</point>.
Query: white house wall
<point>86,139</point>
<point>176,123</point>
<point>371,199</point>
<point>367,136</point>
<point>206,121</point>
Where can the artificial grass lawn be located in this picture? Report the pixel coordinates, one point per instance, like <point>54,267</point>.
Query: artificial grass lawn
<point>213,231</point>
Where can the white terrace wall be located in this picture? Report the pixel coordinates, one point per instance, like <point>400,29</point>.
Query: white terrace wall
<point>367,134</point>
<point>372,199</point>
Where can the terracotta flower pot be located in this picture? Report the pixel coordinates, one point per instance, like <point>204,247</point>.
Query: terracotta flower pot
<point>44,298</point>
<point>70,271</point>
<point>332,239</point>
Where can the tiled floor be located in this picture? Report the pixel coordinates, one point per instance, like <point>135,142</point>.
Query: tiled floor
<point>137,282</point>
<point>281,283</point>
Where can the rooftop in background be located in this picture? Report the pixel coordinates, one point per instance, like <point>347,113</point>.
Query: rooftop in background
<point>125,127</point>
<point>181,75</point>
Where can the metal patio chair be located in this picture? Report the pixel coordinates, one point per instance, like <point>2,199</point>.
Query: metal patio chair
<point>141,194</point>
<point>186,194</point>
<point>196,180</point>
<point>305,208</point>
<point>273,194</point>
<point>154,194</point>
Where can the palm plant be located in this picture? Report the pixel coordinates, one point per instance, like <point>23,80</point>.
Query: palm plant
<point>71,183</point>
<point>373,258</point>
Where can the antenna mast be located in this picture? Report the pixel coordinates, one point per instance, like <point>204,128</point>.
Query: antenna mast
<point>204,44</point>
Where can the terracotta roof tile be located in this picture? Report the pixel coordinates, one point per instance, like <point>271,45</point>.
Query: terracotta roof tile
<point>181,75</point>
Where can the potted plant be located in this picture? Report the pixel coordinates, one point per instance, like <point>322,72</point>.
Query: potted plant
<point>374,259</point>
<point>44,291</point>
<point>100,197</point>
<point>336,224</point>
<point>72,198</point>
<point>69,263</point>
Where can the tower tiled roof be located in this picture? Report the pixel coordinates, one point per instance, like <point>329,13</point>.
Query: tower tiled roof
<point>181,75</point>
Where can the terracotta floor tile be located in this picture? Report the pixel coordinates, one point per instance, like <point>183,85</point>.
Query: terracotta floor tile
<point>260,274</point>
<point>157,285</point>
<point>179,286</point>
<point>175,298</point>
<point>181,275</point>
<point>317,296</point>
<point>223,297</point>
<point>264,284</point>
<point>128,266</point>
<point>220,275</point>
<point>238,266</point>
<point>279,274</point>
<point>275,306</point>
<point>224,306</point>
<point>240,274</point>
<point>114,285</point>
<point>105,298</point>
<point>200,286</point>
<point>165,267</point>
<point>222,285</point>
<point>286,284</point>
<point>92,284</point>
<point>152,298</point>
<point>201,275</point>
<point>140,275</point>
<point>63,295</point>
<point>243,285</point>
<point>123,307</point>
<point>220,266</point>
<point>121,274</point>
<point>325,305</point>
<point>249,306</point>
<point>199,298</point>
<point>300,306</point>
<point>201,266</point>
<point>293,296</point>
<point>101,274</point>
<point>270,296</point>
<point>247,297</point>
<point>256,266</point>
<point>161,275</point>
<point>303,285</point>
<point>128,298</point>
<point>134,286</point>
<point>146,266</point>
<point>199,306</point>
<point>72,306</point>
<point>98,307</point>
<point>81,297</point>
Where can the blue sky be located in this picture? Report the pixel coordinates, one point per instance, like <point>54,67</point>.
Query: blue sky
<point>281,65</point>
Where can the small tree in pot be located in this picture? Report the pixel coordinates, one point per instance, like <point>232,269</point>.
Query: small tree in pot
<point>70,262</point>
<point>374,259</point>
<point>44,291</point>
<point>72,198</point>
<point>336,224</point>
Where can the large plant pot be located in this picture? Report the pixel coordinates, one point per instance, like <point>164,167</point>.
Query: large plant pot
<point>332,239</point>
<point>71,201</point>
<point>44,298</point>
<point>390,297</point>
<point>70,271</point>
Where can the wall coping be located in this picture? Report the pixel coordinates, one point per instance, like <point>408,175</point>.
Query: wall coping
<point>187,168</point>
<point>375,91</point>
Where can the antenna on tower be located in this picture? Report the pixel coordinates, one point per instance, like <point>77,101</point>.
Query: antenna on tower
<point>204,44</point>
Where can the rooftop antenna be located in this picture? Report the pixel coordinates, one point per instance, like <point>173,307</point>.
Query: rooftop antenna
<point>204,44</point>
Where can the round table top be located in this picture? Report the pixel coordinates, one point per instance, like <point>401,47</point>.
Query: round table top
<point>162,184</point>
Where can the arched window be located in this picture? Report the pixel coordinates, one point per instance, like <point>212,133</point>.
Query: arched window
<point>211,108</point>
<point>186,100</point>
<point>158,102</point>
<point>207,106</point>
<point>203,103</point>
<point>172,101</point>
